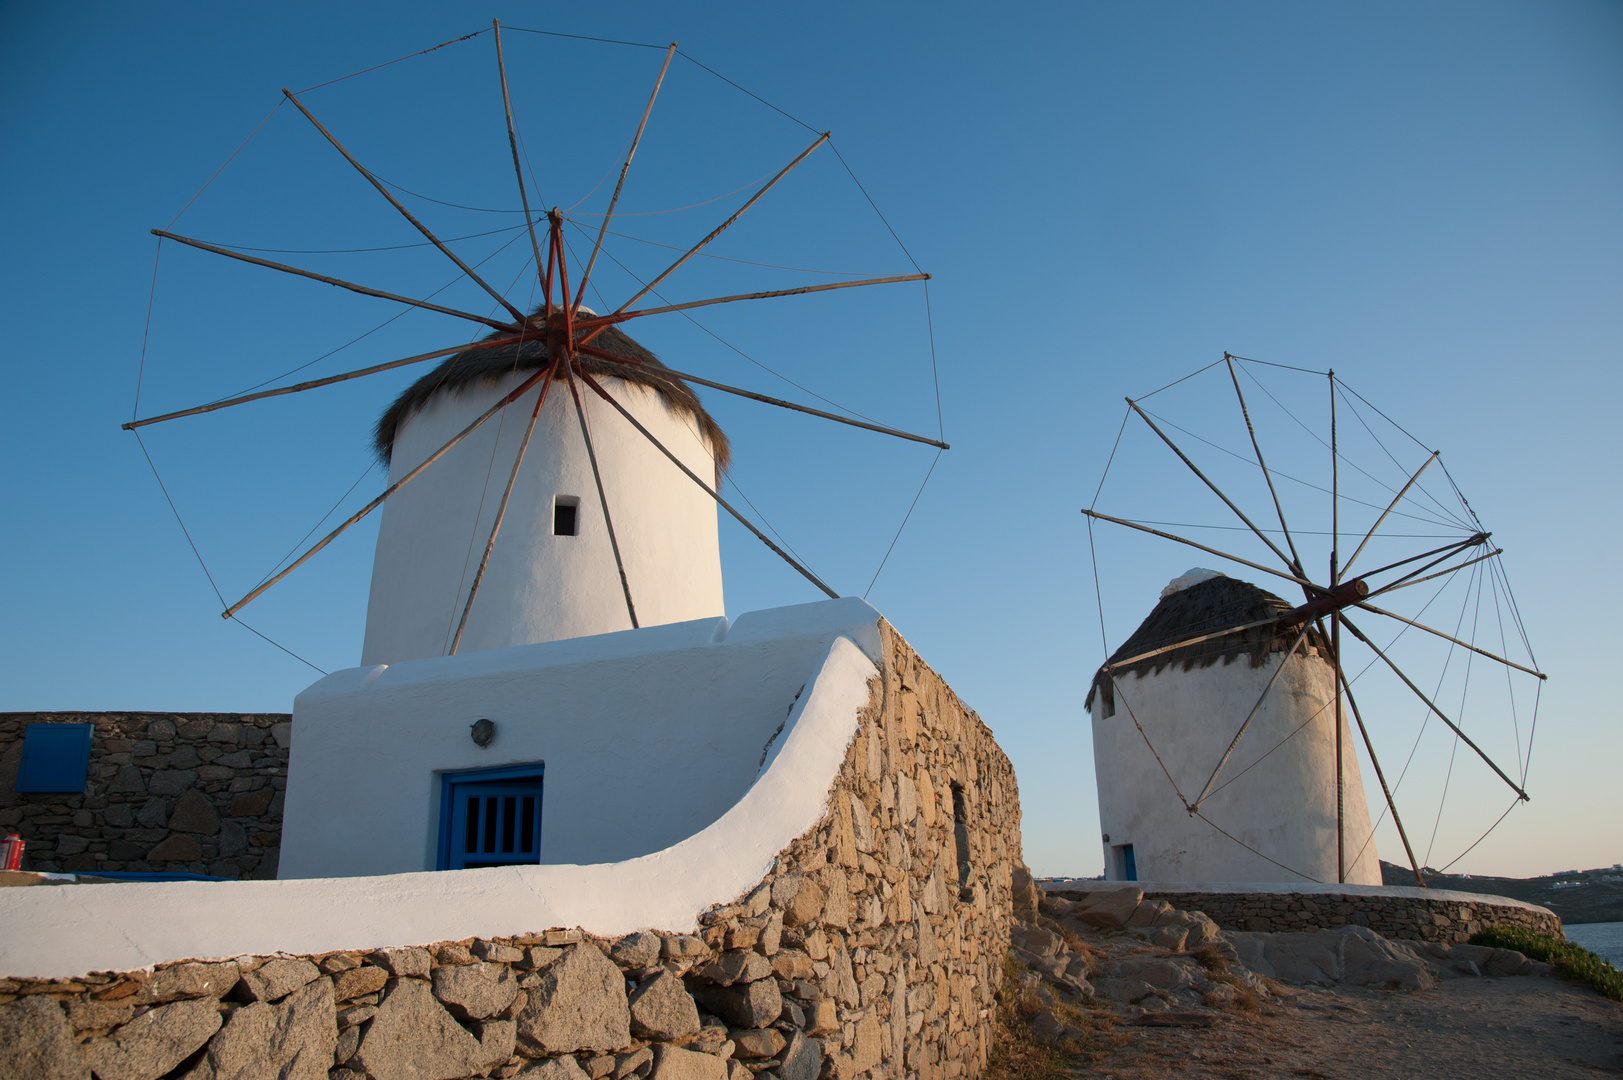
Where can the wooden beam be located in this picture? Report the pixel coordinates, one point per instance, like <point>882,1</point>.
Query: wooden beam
<point>328,381</point>
<point>1296,560</point>
<point>1421,694</point>
<point>1302,581</point>
<point>1238,735</point>
<point>615,358</point>
<point>340,282</point>
<point>597,323</point>
<point>1390,507</point>
<point>719,229</point>
<point>512,142</point>
<point>602,498</point>
<point>632,152</point>
<point>723,503</point>
<point>1391,804</point>
<point>501,509</point>
<point>464,267</point>
<point>1215,490</point>
<point>1450,637</point>
<point>511,397</point>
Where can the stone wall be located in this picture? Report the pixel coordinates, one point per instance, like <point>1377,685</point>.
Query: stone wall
<point>871,950</point>
<point>193,793</point>
<point>1450,920</point>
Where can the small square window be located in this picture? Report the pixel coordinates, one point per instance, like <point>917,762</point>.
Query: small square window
<point>566,516</point>
<point>55,757</point>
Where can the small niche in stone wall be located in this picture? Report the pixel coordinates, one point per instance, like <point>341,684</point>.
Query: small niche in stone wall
<point>960,835</point>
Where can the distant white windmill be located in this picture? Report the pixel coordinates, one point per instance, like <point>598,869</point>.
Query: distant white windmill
<point>1223,726</point>
<point>1188,699</point>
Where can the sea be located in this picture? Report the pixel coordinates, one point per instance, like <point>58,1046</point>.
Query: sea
<point>1604,939</point>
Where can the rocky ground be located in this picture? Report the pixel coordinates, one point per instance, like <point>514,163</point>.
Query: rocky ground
<point>1117,986</point>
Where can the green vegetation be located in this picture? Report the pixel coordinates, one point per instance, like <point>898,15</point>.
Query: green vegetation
<point>1574,961</point>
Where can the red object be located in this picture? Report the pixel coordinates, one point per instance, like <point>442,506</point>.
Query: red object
<point>11,852</point>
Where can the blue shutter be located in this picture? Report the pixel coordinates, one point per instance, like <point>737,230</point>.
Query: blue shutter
<point>490,817</point>
<point>55,757</point>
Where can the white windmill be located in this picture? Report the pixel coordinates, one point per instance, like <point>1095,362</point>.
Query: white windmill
<point>607,516</point>
<point>1223,726</point>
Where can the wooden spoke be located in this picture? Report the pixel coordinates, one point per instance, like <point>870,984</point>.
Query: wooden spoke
<point>501,509</point>
<point>1131,660</point>
<point>723,503</point>
<point>313,383</point>
<point>1471,541</point>
<point>1390,507</point>
<point>518,170</point>
<point>340,282</point>
<point>546,281</point>
<point>1302,581</point>
<point>1335,491</point>
<point>1405,582</point>
<point>597,323</point>
<point>555,245</point>
<point>719,229</point>
<point>603,499</point>
<point>1215,490</point>
<point>1455,728</point>
<point>1296,560</point>
<point>1450,637</point>
<point>615,358</point>
<point>464,267</point>
<point>1391,804</point>
<point>508,399</point>
<point>631,153</point>
<point>1238,735</point>
<point>1341,771</point>
<point>1448,553</point>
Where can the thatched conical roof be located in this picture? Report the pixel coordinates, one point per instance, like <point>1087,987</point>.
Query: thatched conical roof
<point>1214,604</point>
<point>483,366</point>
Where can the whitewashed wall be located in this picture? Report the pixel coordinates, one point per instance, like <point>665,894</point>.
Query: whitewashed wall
<point>540,587</point>
<point>1284,807</point>
<point>52,932</point>
<point>647,737</point>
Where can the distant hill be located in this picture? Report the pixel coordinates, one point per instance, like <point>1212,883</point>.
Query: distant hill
<point>1577,896</point>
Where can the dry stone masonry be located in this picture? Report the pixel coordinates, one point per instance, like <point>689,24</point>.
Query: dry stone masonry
<point>873,949</point>
<point>193,793</point>
<point>1449,921</point>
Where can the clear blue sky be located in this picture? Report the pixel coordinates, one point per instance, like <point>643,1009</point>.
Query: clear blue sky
<point>1426,197</point>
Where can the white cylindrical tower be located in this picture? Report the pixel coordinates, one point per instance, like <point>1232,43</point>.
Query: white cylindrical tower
<point>1272,813</point>
<point>551,573</point>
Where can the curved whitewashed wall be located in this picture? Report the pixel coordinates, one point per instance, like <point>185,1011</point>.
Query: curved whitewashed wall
<point>63,931</point>
<point>540,587</point>
<point>647,736</point>
<point>1284,807</point>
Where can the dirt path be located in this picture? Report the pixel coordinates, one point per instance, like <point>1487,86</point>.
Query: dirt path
<point>1469,1029</point>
